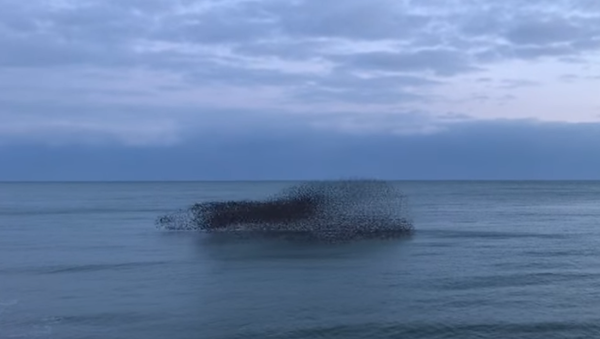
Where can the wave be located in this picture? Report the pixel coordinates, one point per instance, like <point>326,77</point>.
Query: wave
<point>72,211</point>
<point>439,330</point>
<point>66,269</point>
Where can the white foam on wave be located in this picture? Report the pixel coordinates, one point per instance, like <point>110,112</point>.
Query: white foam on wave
<point>10,302</point>
<point>14,324</point>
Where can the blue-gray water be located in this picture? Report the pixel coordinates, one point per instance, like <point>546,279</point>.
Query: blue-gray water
<point>488,260</point>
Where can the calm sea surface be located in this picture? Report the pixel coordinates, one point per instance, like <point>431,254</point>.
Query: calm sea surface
<point>488,260</point>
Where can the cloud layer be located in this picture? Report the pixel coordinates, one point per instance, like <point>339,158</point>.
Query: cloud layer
<point>499,150</point>
<point>304,56</point>
<point>131,73</point>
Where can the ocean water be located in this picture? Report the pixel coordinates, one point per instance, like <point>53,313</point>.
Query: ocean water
<point>487,260</point>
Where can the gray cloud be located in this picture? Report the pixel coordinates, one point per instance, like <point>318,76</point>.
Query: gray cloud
<point>346,87</point>
<point>44,50</point>
<point>287,49</point>
<point>213,73</point>
<point>545,32</point>
<point>84,119</point>
<point>358,52</point>
<point>569,77</point>
<point>348,80</point>
<point>443,62</point>
<point>470,150</point>
<point>362,96</point>
<point>223,24</point>
<point>355,19</point>
<point>517,83</point>
<point>444,32</point>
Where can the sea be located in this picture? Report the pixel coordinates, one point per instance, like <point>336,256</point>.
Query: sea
<point>486,260</point>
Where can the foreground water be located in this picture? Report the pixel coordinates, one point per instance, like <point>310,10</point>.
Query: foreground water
<point>488,260</point>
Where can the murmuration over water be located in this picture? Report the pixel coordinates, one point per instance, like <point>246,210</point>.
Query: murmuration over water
<point>333,210</point>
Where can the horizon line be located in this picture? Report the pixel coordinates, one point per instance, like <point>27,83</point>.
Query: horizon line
<point>281,180</point>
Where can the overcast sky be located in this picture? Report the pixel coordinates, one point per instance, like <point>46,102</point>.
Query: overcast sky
<point>278,89</point>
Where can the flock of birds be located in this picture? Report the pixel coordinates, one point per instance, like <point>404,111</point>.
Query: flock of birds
<point>332,210</point>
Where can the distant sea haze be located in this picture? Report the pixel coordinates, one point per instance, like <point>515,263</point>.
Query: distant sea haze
<point>487,260</point>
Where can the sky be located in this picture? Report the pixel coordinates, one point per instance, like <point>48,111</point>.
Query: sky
<point>299,89</point>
